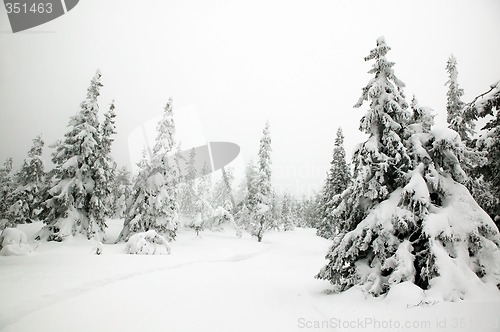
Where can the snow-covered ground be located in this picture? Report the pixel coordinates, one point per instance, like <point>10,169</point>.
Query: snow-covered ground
<point>214,283</point>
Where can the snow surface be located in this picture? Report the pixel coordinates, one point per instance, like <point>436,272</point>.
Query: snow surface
<point>214,283</point>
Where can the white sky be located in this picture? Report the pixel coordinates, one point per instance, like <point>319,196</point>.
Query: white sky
<point>297,63</point>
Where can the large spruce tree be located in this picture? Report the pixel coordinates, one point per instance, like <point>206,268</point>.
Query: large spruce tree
<point>406,217</point>
<point>76,201</point>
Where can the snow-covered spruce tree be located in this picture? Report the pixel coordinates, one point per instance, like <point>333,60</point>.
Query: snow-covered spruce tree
<point>287,216</point>
<point>222,194</point>
<point>122,191</point>
<point>484,105</point>
<point>276,221</point>
<point>107,166</point>
<point>313,209</point>
<point>457,118</point>
<point>166,176</point>
<point>154,203</point>
<point>245,197</point>
<point>204,193</point>
<point>381,162</point>
<point>26,198</point>
<point>461,119</point>
<point>308,208</point>
<point>450,235</point>
<point>203,198</point>
<point>75,202</point>
<point>187,193</point>
<point>252,175</point>
<point>103,172</point>
<point>337,180</point>
<point>243,217</point>
<point>137,215</point>
<point>422,226</point>
<point>299,212</point>
<point>261,213</point>
<point>6,187</point>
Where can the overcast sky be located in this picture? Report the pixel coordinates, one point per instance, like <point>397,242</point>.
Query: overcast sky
<point>298,64</point>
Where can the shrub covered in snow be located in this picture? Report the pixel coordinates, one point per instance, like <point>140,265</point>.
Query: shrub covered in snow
<point>220,219</point>
<point>13,242</point>
<point>147,243</point>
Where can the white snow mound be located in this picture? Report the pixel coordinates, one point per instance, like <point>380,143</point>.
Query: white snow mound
<point>147,243</point>
<point>13,242</point>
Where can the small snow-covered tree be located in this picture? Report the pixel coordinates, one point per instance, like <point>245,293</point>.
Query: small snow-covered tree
<point>6,186</point>
<point>422,225</point>
<point>154,201</point>
<point>106,165</point>
<point>310,210</point>
<point>243,217</point>
<point>252,176</point>
<point>220,219</point>
<point>26,198</point>
<point>137,215</point>
<point>187,192</point>
<point>204,193</point>
<point>222,193</point>
<point>287,216</point>
<point>103,172</point>
<point>461,119</point>
<point>299,212</point>
<point>457,119</point>
<point>262,209</point>
<point>314,209</point>
<point>122,191</point>
<point>74,204</point>
<point>276,220</point>
<point>337,180</point>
